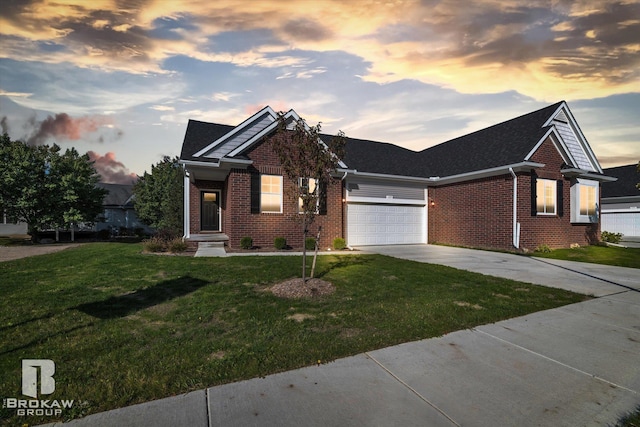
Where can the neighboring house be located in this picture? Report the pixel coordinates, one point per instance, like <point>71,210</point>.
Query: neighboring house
<point>529,181</point>
<point>119,212</point>
<point>621,201</point>
<point>10,227</point>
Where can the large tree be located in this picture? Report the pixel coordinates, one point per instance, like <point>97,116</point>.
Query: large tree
<point>159,196</point>
<point>309,162</point>
<point>47,189</point>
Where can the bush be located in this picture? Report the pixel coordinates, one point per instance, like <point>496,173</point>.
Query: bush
<point>545,249</point>
<point>246,242</point>
<point>154,244</point>
<point>104,234</point>
<point>310,243</point>
<point>177,245</point>
<point>609,237</point>
<point>280,243</point>
<point>339,243</point>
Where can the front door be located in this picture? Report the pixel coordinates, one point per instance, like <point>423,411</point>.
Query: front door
<point>210,211</point>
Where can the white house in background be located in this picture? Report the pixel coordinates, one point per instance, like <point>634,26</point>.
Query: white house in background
<point>621,201</point>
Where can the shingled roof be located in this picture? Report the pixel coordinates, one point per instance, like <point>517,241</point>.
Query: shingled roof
<point>502,144</point>
<point>199,135</point>
<point>628,177</point>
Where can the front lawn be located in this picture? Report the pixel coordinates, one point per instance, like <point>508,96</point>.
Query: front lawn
<point>124,327</point>
<point>609,255</point>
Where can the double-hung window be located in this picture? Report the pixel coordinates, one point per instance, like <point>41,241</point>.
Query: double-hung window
<point>546,196</point>
<point>271,193</point>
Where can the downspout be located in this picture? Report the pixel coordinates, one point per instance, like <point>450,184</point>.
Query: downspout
<point>187,219</point>
<point>516,224</point>
<point>344,208</point>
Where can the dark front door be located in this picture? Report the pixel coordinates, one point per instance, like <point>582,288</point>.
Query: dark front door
<point>210,211</point>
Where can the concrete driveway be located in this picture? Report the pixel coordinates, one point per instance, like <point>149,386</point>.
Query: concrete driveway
<point>589,279</point>
<point>577,365</point>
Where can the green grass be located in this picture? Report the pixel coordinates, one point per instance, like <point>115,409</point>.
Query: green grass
<point>609,255</point>
<point>630,420</point>
<point>123,327</point>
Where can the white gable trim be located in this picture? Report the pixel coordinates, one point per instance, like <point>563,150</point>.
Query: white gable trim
<point>238,129</point>
<point>579,135</point>
<point>557,142</point>
<point>290,115</point>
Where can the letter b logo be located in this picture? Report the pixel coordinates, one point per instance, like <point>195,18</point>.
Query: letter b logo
<point>30,377</point>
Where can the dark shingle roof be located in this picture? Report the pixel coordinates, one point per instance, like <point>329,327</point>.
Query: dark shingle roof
<point>498,145</point>
<point>502,144</point>
<point>628,176</point>
<point>118,195</point>
<point>199,135</point>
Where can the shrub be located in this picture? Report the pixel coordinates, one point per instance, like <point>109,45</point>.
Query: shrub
<point>154,244</point>
<point>246,242</point>
<point>543,248</point>
<point>177,245</point>
<point>104,234</point>
<point>280,243</point>
<point>310,243</point>
<point>610,237</point>
<point>339,243</point>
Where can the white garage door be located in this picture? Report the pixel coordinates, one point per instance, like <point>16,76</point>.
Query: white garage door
<point>385,224</point>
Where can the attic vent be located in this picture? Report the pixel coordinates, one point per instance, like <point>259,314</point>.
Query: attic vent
<point>561,117</point>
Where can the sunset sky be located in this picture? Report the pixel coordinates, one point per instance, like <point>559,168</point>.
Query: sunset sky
<point>120,79</point>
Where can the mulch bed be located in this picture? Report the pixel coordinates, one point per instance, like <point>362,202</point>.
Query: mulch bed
<point>294,288</point>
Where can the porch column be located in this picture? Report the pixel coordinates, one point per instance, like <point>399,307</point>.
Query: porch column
<point>187,218</point>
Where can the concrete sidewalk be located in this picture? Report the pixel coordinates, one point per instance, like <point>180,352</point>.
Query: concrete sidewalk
<point>570,366</point>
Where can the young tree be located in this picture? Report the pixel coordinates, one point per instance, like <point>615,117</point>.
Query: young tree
<point>159,196</point>
<point>309,162</point>
<point>46,189</point>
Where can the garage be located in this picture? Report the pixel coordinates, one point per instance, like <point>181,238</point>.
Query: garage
<point>385,224</point>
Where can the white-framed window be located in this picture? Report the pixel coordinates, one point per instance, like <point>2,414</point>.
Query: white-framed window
<point>584,201</point>
<point>307,186</point>
<point>546,196</point>
<point>271,193</point>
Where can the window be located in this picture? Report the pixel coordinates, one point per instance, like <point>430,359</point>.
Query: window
<point>546,196</point>
<point>584,201</point>
<point>271,193</point>
<point>307,186</point>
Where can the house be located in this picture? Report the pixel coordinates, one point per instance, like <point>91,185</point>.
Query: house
<point>621,201</point>
<point>532,180</point>
<point>119,214</point>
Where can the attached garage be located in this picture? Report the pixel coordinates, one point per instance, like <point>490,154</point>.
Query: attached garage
<point>382,224</point>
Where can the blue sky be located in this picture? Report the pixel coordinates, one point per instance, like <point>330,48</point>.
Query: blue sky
<point>121,79</point>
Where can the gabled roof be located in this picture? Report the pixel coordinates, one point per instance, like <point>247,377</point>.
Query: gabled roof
<point>508,143</point>
<point>119,194</point>
<point>628,177</point>
<point>199,135</point>
<point>502,144</point>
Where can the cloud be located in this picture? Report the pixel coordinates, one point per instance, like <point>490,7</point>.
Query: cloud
<point>111,170</point>
<point>65,127</point>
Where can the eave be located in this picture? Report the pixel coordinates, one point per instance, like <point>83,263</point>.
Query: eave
<point>581,173</point>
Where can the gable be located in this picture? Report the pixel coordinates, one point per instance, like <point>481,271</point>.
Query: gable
<point>572,138</point>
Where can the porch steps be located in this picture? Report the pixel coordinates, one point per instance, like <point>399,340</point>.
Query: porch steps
<point>210,249</point>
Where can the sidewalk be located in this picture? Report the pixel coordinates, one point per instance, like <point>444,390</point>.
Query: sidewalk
<point>574,365</point>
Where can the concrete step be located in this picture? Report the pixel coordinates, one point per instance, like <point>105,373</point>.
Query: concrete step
<point>205,245</point>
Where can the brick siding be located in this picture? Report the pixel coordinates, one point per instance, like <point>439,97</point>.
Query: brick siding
<point>263,228</point>
<point>479,213</point>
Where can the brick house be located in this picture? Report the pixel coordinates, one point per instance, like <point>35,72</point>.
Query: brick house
<point>529,181</point>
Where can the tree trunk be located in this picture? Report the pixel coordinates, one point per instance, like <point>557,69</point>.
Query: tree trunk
<point>304,251</point>
<point>315,254</point>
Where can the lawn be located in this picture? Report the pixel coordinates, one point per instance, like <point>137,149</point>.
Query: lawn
<point>124,327</point>
<point>609,255</point>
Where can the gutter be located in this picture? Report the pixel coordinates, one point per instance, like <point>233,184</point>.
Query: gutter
<point>516,224</point>
<point>581,173</point>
